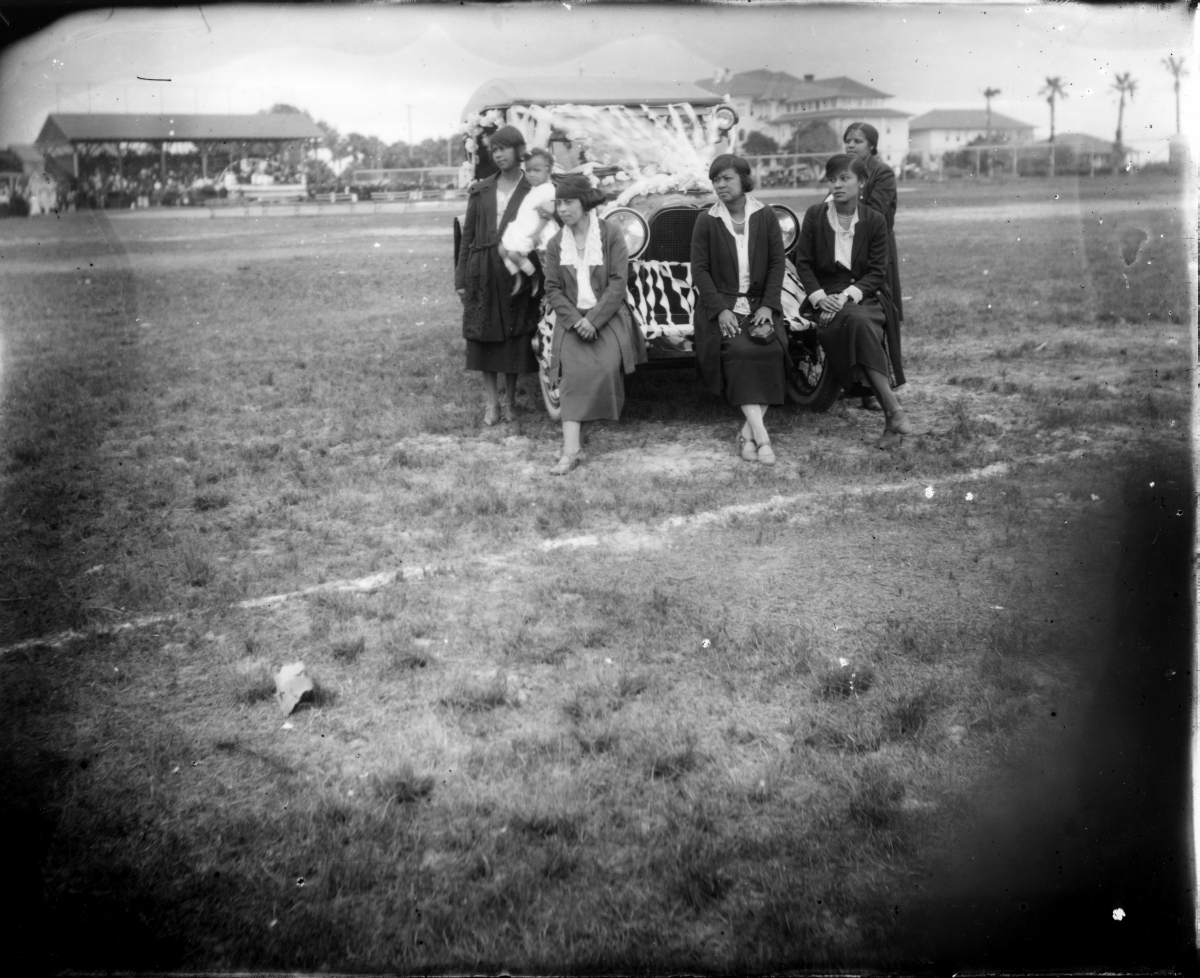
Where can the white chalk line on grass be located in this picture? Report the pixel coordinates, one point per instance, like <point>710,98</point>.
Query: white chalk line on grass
<point>625,539</point>
<point>622,539</point>
<point>361,585</point>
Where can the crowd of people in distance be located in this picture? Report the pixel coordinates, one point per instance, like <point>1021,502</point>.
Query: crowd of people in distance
<point>512,254</point>
<point>106,184</point>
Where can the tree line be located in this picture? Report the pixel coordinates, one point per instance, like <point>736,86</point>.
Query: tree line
<point>357,151</point>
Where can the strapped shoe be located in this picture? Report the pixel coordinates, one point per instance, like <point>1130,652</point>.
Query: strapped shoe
<point>766,454</point>
<point>897,428</point>
<point>747,449</point>
<point>566,464</point>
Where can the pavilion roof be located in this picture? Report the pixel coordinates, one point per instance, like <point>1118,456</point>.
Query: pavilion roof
<point>78,127</point>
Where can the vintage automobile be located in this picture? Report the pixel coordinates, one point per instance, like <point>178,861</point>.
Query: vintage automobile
<point>657,219</point>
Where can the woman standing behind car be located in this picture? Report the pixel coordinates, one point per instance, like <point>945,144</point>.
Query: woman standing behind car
<point>497,323</point>
<point>738,267</point>
<point>878,193</point>
<point>595,342</point>
<point>842,262</point>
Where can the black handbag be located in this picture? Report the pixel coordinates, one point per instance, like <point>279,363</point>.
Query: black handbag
<point>761,333</point>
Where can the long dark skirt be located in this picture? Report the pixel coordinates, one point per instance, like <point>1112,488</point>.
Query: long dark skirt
<point>754,373</point>
<point>592,387</point>
<point>512,356</point>
<point>855,339</point>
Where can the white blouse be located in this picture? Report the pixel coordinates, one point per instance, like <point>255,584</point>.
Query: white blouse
<point>742,240</point>
<point>593,254</point>
<point>742,243</point>
<point>843,238</point>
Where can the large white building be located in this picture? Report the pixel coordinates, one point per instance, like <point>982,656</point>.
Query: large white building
<point>778,104</point>
<point>949,130</point>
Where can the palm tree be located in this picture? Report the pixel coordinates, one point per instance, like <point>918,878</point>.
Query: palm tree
<point>989,94</point>
<point>1053,90</point>
<point>1176,69</point>
<point>1126,86</point>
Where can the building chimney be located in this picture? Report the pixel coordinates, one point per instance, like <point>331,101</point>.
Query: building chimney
<point>809,77</point>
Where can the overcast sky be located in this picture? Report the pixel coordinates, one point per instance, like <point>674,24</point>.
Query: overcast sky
<point>362,67</point>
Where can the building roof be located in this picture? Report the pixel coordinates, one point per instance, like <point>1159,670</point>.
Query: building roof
<point>824,115</point>
<point>1081,142</point>
<point>763,85</point>
<point>70,127</point>
<point>502,92</point>
<point>849,88</point>
<point>964,119</point>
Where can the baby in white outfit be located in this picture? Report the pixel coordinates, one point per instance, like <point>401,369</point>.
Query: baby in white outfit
<point>532,227</point>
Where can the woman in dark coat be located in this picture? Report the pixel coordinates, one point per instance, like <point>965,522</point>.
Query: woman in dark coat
<point>861,140</point>
<point>595,342</point>
<point>878,193</point>
<point>841,260</point>
<point>497,324</point>
<point>738,267</point>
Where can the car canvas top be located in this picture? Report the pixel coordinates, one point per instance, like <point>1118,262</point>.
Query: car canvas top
<point>500,93</point>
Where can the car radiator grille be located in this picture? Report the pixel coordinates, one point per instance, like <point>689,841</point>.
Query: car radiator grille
<point>671,235</point>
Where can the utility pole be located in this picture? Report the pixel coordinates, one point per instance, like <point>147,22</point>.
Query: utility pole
<point>410,135</point>
<point>1176,69</point>
<point>989,94</point>
<point>89,91</point>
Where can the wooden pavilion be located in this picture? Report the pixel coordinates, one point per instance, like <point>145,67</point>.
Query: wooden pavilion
<point>84,135</point>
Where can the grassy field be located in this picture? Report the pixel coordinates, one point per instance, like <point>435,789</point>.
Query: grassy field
<point>673,710</point>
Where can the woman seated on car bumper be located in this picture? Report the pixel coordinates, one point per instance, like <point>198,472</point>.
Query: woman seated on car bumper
<point>842,262</point>
<point>595,342</point>
<point>738,267</point>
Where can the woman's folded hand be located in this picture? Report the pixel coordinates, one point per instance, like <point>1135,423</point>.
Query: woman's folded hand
<point>762,314</point>
<point>585,329</point>
<point>728,323</point>
<point>832,304</point>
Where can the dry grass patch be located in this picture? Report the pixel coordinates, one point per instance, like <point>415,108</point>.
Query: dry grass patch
<point>641,755</point>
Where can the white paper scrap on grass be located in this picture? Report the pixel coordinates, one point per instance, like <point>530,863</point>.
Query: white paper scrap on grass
<point>290,686</point>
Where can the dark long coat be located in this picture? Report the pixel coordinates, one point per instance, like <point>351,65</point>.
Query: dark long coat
<point>715,276</point>
<point>879,194</point>
<point>491,314</point>
<point>817,269</point>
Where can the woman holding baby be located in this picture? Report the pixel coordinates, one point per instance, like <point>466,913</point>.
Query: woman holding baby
<point>498,320</point>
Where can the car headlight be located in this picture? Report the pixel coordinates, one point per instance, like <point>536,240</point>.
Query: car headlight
<point>633,226</point>
<point>725,118</point>
<point>788,224</point>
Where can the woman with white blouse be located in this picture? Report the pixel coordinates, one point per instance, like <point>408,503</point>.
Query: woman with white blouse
<point>595,342</point>
<point>738,265</point>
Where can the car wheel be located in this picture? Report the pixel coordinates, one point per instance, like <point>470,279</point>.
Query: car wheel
<point>810,382</point>
<point>549,394</point>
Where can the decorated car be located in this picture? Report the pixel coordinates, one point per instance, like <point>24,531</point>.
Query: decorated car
<point>648,146</point>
